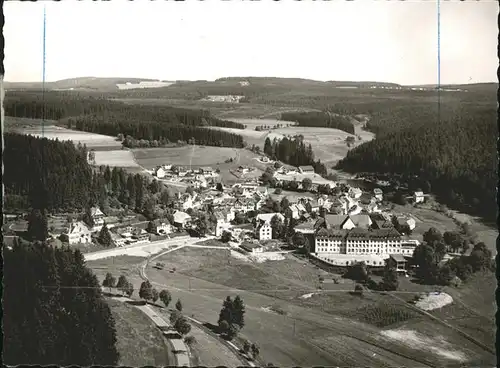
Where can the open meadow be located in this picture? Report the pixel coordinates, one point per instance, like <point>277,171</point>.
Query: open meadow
<point>289,318</point>
<point>139,342</point>
<point>198,156</point>
<point>116,158</point>
<point>49,130</point>
<point>328,144</point>
<point>221,110</point>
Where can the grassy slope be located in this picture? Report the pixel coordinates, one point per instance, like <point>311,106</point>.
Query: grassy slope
<point>139,343</point>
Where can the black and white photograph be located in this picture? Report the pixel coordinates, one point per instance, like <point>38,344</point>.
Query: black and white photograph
<point>250,183</point>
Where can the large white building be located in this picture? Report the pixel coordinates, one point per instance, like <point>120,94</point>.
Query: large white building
<point>362,242</point>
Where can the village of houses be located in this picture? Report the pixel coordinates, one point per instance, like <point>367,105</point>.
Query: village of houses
<point>350,227</point>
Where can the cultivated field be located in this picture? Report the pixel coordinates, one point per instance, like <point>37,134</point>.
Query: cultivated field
<point>197,156</point>
<point>328,144</point>
<point>292,330</point>
<point>139,342</point>
<point>116,158</point>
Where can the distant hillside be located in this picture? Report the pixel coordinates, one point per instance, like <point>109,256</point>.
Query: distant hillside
<point>83,83</point>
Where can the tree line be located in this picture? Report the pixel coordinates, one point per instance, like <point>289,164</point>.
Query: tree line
<point>56,105</point>
<point>320,119</point>
<point>293,151</point>
<point>456,158</point>
<point>54,311</point>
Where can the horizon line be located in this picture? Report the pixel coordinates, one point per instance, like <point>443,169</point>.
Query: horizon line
<point>256,77</point>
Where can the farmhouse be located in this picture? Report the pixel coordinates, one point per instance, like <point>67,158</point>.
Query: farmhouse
<point>355,192</point>
<point>419,197</point>
<point>338,222</point>
<point>312,206</point>
<point>160,173</point>
<point>161,227</point>
<point>397,261</point>
<point>252,247</point>
<point>79,233</point>
<point>263,228</point>
<point>295,211</point>
<point>306,169</point>
<point>98,218</point>
<point>207,171</point>
<point>379,195</point>
<point>403,220</point>
<point>181,219</point>
<point>222,223</point>
<point>118,240</point>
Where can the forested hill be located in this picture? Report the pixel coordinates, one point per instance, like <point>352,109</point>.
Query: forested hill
<point>43,173</point>
<point>100,115</point>
<point>320,119</point>
<point>456,156</point>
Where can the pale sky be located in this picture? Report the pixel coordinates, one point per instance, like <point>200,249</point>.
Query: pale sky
<point>363,40</point>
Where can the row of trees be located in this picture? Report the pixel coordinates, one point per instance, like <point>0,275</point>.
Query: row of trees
<point>456,157</point>
<point>320,119</point>
<point>54,311</point>
<point>155,130</point>
<point>148,293</point>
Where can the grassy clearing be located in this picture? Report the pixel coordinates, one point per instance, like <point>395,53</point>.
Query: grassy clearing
<point>197,156</point>
<point>115,158</point>
<point>139,342</point>
<point>92,140</point>
<point>185,155</point>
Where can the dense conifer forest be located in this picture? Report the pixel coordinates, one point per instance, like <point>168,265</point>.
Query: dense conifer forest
<point>52,175</point>
<point>456,156</point>
<point>53,310</point>
<point>319,119</point>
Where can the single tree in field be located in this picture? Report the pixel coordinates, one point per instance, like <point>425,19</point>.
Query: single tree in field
<point>122,283</point>
<point>178,305</point>
<point>151,227</point>
<point>358,289</point>
<point>146,291</point>
<point>390,279</point>
<point>255,351</point>
<point>182,326</point>
<point>190,340</point>
<point>109,281</point>
<point>226,237</point>
<point>105,236</point>
<point>165,297</point>
<point>129,289</point>
<point>233,330</point>
<point>38,225</point>
<point>88,219</point>
<point>154,295</point>
<point>238,312</point>
<point>174,316</point>
<point>306,184</point>
<point>246,346</point>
